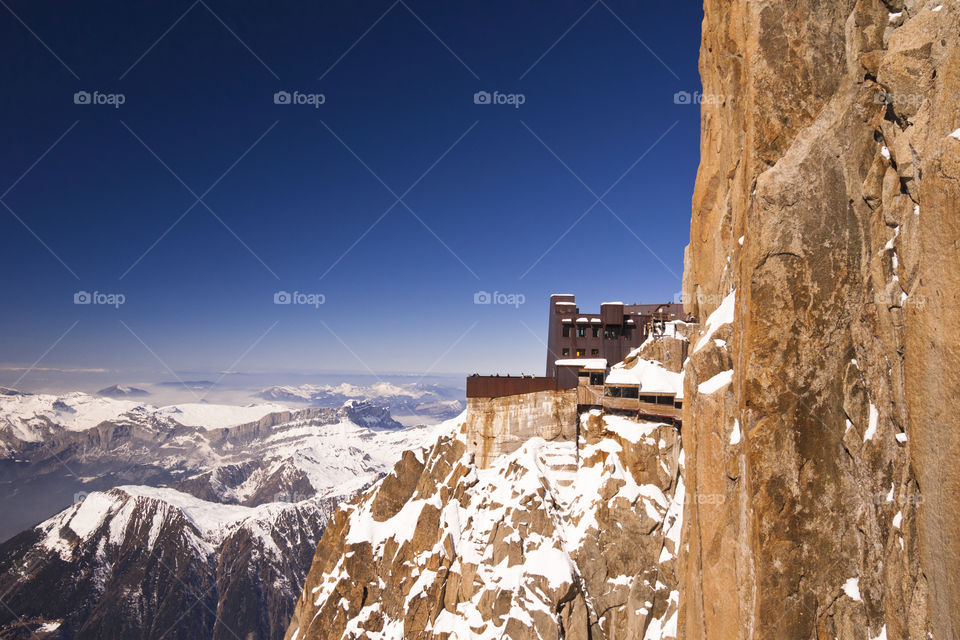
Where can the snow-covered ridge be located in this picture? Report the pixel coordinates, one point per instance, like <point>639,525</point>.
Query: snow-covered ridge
<point>381,389</point>
<point>338,461</point>
<point>27,417</point>
<point>410,403</point>
<point>217,416</point>
<point>119,506</point>
<point>526,528</point>
<point>239,509</point>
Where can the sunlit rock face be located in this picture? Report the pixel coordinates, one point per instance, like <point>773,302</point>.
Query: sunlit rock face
<point>551,540</point>
<point>825,215</point>
<point>495,426</point>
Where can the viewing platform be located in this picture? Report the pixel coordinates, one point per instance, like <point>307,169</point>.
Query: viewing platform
<point>501,386</point>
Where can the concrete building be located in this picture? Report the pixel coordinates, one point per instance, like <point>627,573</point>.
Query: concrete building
<point>610,334</point>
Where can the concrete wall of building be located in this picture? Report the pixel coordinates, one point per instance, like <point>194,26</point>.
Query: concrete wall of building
<point>495,426</point>
<point>630,322</point>
<point>630,332</point>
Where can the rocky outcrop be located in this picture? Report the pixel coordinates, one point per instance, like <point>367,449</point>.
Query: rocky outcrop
<point>138,562</point>
<point>495,426</point>
<point>549,541</point>
<point>824,408</point>
<point>669,350</point>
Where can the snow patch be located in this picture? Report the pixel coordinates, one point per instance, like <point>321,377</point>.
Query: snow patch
<point>721,316</point>
<point>852,588</point>
<point>716,383</point>
<point>649,374</point>
<point>872,424</point>
<point>735,435</point>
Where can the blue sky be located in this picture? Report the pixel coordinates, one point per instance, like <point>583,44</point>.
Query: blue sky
<point>398,199</point>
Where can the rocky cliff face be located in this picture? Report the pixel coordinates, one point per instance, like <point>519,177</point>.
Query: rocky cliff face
<point>495,426</point>
<point>549,541</point>
<point>824,411</point>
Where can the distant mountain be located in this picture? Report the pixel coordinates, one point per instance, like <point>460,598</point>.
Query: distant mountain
<point>139,562</point>
<point>432,402</point>
<point>201,518</point>
<point>122,391</point>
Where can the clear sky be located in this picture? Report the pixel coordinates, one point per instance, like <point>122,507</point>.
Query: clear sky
<point>394,202</point>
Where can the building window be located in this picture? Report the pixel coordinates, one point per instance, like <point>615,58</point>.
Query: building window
<point>581,332</point>
<point>630,392</point>
<point>581,353</point>
<point>611,333</point>
<point>596,379</point>
<point>596,332</point>
<point>566,331</point>
<point>565,351</point>
<point>594,352</point>
<point>627,332</point>
<point>611,392</point>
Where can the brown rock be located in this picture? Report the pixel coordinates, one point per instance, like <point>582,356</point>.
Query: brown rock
<point>833,247</point>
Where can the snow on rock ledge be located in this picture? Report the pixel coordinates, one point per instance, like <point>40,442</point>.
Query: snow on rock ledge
<point>548,541</point>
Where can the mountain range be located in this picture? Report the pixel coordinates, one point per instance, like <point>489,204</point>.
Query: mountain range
<point>180,518</point>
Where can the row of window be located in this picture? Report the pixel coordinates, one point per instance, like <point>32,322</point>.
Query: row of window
<point>596,378</point>
<point>610,333</point>
<point>580,353</point>
<point>633,393</point>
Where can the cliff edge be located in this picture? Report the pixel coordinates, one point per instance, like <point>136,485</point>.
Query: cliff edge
<point>825,218</point>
